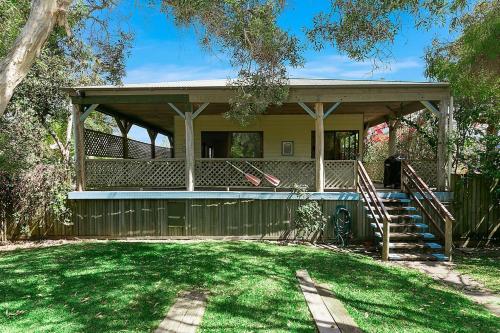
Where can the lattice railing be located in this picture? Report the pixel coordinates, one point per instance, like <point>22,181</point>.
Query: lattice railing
<point>375,170</point>
<point>217,173</point>
<point>340,174</point>
<point>124,173</point>
<point>427,170</point>
<point>101,144</point>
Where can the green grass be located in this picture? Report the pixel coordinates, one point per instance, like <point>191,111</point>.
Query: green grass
<point>128,287</point>
<point>483,266</point>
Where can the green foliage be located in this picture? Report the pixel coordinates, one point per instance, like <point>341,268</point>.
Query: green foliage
<point>471,64</point>
<point>35,132</point>
<point>308,218</point>
<point>248,32</point>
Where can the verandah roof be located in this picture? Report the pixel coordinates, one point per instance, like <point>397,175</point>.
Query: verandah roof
<point>148,104</point>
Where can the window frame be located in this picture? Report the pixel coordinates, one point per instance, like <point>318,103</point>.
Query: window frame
<point>313,141</point>
<point>230,140</point>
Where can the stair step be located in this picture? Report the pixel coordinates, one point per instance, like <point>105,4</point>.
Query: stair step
<point>412,246</point>
<point>393,201</point>
<point>402,216</point>
<point>391,208</point>
<point>404,225</point>
<point>417,257</point>
<point>408,236</point>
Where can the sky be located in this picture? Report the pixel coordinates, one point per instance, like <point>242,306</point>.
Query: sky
<point>163,52</point>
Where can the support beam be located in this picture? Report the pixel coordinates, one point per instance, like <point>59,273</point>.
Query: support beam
<point>320,148</point>
<point>331,109</point>
<point>188,121</point>
<point>199,110</point>
<point>124,127</point>
<point>451,131</point>
<point>129,99</point>
<point>176,109</point>
<point>79,148</point>
<point>393,125</point>
<point>152,136</point>
<point>87,112</point>
<point>429,106</point>
<point>442,148</point>
<point>307,109</point>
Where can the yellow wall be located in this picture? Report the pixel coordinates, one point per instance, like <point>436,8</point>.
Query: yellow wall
<point>276,128</point>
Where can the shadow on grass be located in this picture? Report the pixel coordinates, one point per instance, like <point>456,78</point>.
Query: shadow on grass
<point>130,286</point>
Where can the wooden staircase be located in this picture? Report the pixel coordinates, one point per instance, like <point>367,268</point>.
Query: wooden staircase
<point>398,227</point>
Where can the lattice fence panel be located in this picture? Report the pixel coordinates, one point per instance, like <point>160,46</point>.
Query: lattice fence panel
<point>375,171</point>
<point>340,174</point>
<point>135,173</point>
<point>108,145</point>
<point>217,173</point>
<point>102,144</point>
<point>427,170</point>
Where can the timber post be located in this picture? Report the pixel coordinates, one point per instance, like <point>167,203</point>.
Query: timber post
<point>448,237</point>
<point>188,122</point>
<point>393,125</point>
<point>442,148</point>
<point>79,148</point>
<point>152,136</point>
<point>320,148</point>
<point>124,127</point>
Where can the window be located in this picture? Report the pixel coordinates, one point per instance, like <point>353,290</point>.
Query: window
<point>232,144</point>
<point>339,145</point>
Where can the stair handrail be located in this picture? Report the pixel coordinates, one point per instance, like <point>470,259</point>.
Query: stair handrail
<point>409,175</point>
<point>379,206</point>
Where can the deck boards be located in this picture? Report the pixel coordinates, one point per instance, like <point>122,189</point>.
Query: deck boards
<point>186,314</point>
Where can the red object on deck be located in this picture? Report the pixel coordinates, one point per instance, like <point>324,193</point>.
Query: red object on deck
<point>255,181</point>
<point>270,178</point>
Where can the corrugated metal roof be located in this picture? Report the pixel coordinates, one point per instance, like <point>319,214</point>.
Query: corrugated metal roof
<point>293,82</point>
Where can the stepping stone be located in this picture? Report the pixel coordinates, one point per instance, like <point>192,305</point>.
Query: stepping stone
<point>186,314</point>
<point>322,318</point>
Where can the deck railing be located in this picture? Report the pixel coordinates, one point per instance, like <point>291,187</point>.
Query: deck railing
<point>425,168</point>
<point>376,208</point>
<point>128,173</point>
<point>214,173</point>
<point>414,185</point>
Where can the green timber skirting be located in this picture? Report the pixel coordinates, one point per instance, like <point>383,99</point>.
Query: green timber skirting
<point>228,215</point>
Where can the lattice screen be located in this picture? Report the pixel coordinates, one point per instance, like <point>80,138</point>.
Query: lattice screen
<point>427,170</point>
<point>375,171</point>
<point>216,172</point>
<point>340,174</point>
<point>135,173</point>
<point>108,145</point>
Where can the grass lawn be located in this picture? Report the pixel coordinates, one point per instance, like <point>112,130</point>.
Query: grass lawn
<point>128,287</point>
<point>482,265</point>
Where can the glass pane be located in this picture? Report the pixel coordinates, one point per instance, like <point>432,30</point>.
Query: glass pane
<point>246,144</point>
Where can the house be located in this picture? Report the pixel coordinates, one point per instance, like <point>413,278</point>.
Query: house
<point>131,189</point>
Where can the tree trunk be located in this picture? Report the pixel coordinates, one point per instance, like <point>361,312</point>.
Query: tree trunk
<point>44,15</point>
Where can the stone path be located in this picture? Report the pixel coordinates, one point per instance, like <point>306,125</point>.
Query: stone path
<point>444,272</point>
<point>186,314</point>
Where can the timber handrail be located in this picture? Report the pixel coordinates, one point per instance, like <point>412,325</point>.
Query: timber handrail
<point>376,207</point>
<point>410,176</point>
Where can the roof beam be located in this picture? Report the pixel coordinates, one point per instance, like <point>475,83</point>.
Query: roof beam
<point>307,109</point>
<point>134,120</point>
<point>130,99</point>
<point>87,112</point>
<point>199,110</point>
<point>331,109</point>
<point>429,106</point>
<point>179,112</point>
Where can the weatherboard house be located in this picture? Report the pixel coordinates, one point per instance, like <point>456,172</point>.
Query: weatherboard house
<point>199,186</point>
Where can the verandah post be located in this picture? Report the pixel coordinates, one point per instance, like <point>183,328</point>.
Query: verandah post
<point>79,148</point>
<point>188,121</point>
<point>124,127</point>
<point>320,148</point>
<point>442,148</point>
<point>152,136</point>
